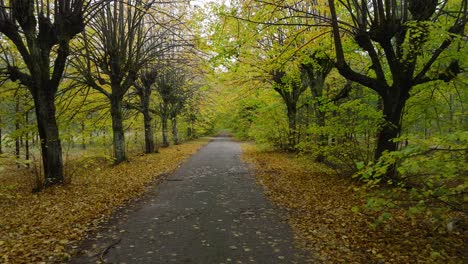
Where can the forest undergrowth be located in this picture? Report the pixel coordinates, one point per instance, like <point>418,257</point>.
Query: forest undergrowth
<point>44,227</point>
<point>320,205</point>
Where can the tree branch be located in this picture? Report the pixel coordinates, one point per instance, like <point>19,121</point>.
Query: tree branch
<point>341,64</point>
<point>15,74</point>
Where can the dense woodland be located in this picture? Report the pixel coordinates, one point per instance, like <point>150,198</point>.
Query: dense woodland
<point>90,74</point>
<point>375,90</point>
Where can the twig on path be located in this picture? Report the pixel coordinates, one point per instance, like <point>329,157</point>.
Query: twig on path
<point>104,252</point>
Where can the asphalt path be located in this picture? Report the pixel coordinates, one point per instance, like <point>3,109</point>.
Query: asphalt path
<point>208,211</point>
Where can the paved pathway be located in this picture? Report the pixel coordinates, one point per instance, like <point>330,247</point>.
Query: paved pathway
<point>209,211</point>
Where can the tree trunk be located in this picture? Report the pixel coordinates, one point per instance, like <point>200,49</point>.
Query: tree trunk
<point>83,136</point>
<point>1,138</point>
<point>17,141</point>
<point>165,141</point>
<point>26,146</point>
<point>117,130</point>
<point>322,138</point>
<point>91,141</point>
<point>51,148</point>
<point>35,138</point>
<point>189,132</point>
<point>145,94</point>
<point>316,89</point>
<point>292,118</point>
<point>26,138</point>
<point>192,129</point>
<point>388,132</point>
<point>175,131</point>
<point>149,139</point>
<point>17,128</point>
<point>393,105</point>
<point>155,137</point>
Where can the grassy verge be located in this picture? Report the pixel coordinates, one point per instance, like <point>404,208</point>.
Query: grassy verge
<point>39,227</point>
<point>319,204</point>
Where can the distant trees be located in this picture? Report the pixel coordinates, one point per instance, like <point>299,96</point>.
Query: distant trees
<point>166,39</point>
<point>315,68</point>
<point>118,54</point>
<point>144,89</point>
<point>286,51</point>
<point>407,43</point>
<point>386,86</point>
<point>114,51</point>
<point>172,85</point>
<point>290,90</point>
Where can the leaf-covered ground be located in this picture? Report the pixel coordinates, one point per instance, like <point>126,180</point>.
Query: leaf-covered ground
<point>45,226</point>
<point>319,203</point>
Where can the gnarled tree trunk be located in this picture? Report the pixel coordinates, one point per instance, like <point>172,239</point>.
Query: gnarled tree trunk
<point>38,29</point>
<point>1,136</point>
<point>393,105</point>
<point>165,140</point>
<point>144,92</point>
<point>313,74</point>
<point>175,131</point>
<point>291,108</point>
<point>404,50</point>
<point>117,129</point>
<point>149,139</point>
<point>51,148</point>
<point>290,98</point>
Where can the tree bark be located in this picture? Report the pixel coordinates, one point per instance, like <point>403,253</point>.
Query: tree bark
<point>290,98</point>
<point>393,106</point>
<point>17,128</point>
<point>144,92</point>
<point>26,139</point>
<point>1,137</point>
<point>189,132</point>
<point>49,137</point>
<point>313,74</point>
<point>317,91</point>
<point>322,139</point>
<point>149,139</point>
<point>292,124</point>
<point>117,129</point>
<point>165,141</point>
<point>175,131</point>
<point>83,136</point>
<point>156,149</point>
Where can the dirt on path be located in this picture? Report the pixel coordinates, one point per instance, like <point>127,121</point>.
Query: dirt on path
<point>209,211</point>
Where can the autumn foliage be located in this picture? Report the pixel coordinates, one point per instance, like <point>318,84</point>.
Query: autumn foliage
<point>321,208</point>
<point>47,226</point>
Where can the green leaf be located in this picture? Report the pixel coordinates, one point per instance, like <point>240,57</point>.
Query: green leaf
<point>360,165</point>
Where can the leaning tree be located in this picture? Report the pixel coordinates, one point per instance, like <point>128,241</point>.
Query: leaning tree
<point>41,32</point>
